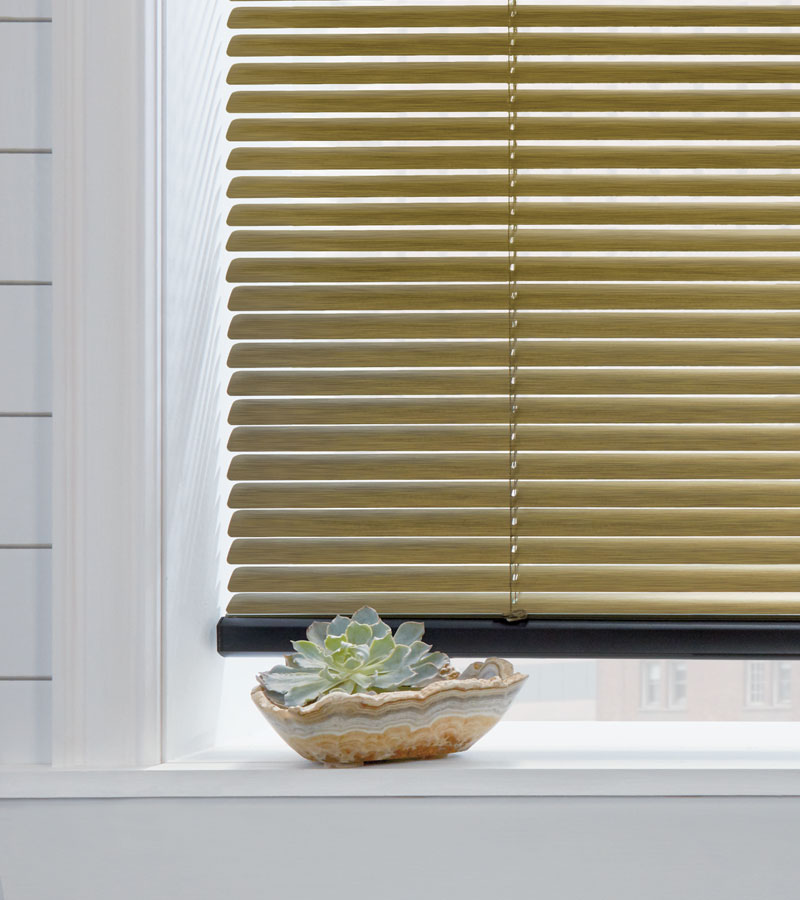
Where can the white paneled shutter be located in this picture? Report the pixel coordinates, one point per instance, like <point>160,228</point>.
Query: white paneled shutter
<point>515,309</point>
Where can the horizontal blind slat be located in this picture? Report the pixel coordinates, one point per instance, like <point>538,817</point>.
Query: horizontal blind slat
<point>458,438</point>
<point>684,323</point>
<point>766,494</point>
<point>473,603</point>
<point>547,523</point>
<point>528,128</point>
<point>631,352</point>
<point>530,156</point>
<point>488,100</point>
<point>493,185</point>
<point>589,381</point>
<point>496,44</point>
<point>441,296</point>
<point>533,15</point>
<point>532,465</point>
<point>454,410</point>
<point>532,551</point>
<point>570,268</point>
<point>741,578</point>
<point>480,71</point>
<point>573,212</point>
<point>471,240</point>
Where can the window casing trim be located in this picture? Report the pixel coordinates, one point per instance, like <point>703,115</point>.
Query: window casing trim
<point>107,384</point>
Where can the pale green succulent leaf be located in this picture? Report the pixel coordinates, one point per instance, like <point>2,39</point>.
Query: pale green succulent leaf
<point>416,651</point>
<point>354,662</point>
<point>435,659</point>
<point>333,643</point>
<point>297,661</point>
<point>309,650</point>
<point>393,680</point>
<point>408,633</point>
<point>280,670</point>
<point>423,674</point>
<point>340,656</point>
<point>283,680</point>
<point>394,660</point>
<point>364,680</point>
<point>300,694</point>
<point>381,648</point>
<point>338,626</point>
<point>358,634</point>
<point>366,616</point>
<point>361,651</point>
<point>317,632</point>
<point>380,630</point>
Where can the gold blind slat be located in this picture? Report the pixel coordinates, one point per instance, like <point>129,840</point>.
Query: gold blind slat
<point>485,240</point>
<point>514,330</point>
<point>465,100</point>
<point>493,185</point>
<point>493,128</point>
<point>548,296</point>
<point>530,15</point>
<point>492,521</point>
<point>483,71</point>
<point>455,410</point>
<point>531,156</point>
<point>487,44</point>
<point>572,212</point>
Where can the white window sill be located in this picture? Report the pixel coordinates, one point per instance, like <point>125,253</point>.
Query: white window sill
<point>517,759</point>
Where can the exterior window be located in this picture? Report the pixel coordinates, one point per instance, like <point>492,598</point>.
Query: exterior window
<point>756,683</point>
<point>677,685</point>
<point>782,683</point>
<point>651,685</point>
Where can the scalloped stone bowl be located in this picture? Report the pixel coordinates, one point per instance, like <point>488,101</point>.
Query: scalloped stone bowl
<point>443,717</point>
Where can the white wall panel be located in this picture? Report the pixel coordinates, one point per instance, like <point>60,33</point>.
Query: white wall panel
<point>25,217</point>
<point>401,849</point>
<point>25,9</point>
<point>25,73</point>
<point>24,722</point>
<point>25,502</point>
<point>24,612</point>
<point>26,366</point>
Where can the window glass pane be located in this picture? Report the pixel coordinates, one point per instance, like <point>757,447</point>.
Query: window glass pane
<point>651,684</point>
<point>782,683</point>
<point>677,685</point>
<point>585,690</point>
<point>756,674</point>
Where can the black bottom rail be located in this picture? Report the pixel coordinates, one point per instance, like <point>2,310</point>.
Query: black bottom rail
<point>566,638</point>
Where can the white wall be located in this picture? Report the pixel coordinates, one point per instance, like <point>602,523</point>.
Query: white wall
<point>400,849</point>
<point>25,380</point>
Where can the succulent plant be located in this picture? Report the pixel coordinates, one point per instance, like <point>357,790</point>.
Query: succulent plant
<point>353,655</point>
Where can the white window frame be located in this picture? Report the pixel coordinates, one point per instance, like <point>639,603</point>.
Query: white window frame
<point>107,589</point>
<point>107,365</point>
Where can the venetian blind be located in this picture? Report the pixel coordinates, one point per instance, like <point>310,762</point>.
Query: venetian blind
<point>515,314</point>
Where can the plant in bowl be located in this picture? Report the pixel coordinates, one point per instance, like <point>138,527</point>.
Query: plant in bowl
<point>353,692</point>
